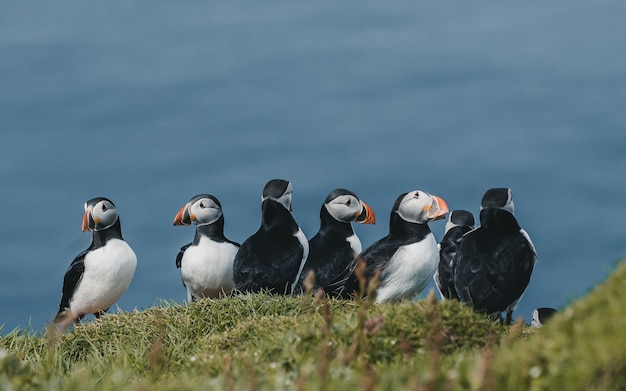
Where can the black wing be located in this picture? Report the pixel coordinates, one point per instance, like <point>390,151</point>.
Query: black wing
<point>332,260</point>
<point>345,283</point>
<point>492,273</point>
<point>179,257</point>
<point>270,259</point>
<point>378,255</point>
<point>72,277</point>
<point>448,248</point>
<point>264,265</point>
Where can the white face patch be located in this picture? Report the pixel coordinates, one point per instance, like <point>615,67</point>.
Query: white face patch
<point>412,206</point>
<point>285,199</point>
<point>449,226</point>
<point>509,206</point>
<point>344,208</point>
<point>105,214</point>
<point>205,211</point>
<point>535,319</point>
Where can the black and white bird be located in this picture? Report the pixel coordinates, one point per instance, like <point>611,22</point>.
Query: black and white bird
<point>495,261</point>
<point>333,249</point>
<point>100,275</point>
<point>459,223</point>
<point>206,264</point>
<point>541,315</point>
<point>408,257</point>
<point>272,259</point>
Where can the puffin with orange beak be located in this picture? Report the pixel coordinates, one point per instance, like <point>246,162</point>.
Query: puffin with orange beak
<point>206,264</point>
<point>406,259</point>
<point>100,275</point>
<point>333,250</point>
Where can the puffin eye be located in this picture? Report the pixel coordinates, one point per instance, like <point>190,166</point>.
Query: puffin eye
<point>348,202</point>
<point>202,204</point>
<point>104,207</point>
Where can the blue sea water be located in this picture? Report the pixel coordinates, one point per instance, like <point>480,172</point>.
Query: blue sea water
<point>150,103</point>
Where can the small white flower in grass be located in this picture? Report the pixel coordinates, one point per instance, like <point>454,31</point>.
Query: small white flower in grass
<point>193,358</point>
<point>392,342</point>
<point>273,365</point>
<point>534,372</point>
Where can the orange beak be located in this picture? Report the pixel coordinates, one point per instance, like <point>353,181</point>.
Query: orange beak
<point>438,209</point>
<point>367,215</point>
<point>182,217</point>
<point>85,226</point>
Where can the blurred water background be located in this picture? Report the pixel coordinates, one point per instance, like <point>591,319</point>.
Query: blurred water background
<point>150,103</point>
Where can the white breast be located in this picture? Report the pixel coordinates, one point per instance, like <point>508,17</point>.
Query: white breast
<point>108,273</point>
<point>530,242</point>
<point>207,268</point>
<point>355,244</point>
<point>305,254</point>
<point>409,270</point>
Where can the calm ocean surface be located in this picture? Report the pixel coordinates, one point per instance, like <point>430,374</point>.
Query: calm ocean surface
<point>150,103</point>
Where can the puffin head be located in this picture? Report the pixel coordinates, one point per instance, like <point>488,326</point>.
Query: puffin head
<point>460,218</point>
<point>499,197</point>
<point>100,214</point>
<point>420,207</point>
<point>279,190</point>
<point>343,205</point>
<point>203,209</point>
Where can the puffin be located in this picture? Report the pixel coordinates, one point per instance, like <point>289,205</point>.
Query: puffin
<point>271,260</point>
<point>333,250</point>
<point>494,263</point>
<point>100,275</point>
<point>541,315</point>
<point>459,223</point>
<point>406,259</point>
<point>206,264</point>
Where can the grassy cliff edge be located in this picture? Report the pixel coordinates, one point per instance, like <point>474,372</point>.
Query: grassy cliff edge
<point>270,342</point>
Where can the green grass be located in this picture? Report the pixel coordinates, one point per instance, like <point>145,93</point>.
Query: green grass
<point>272,343</point>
